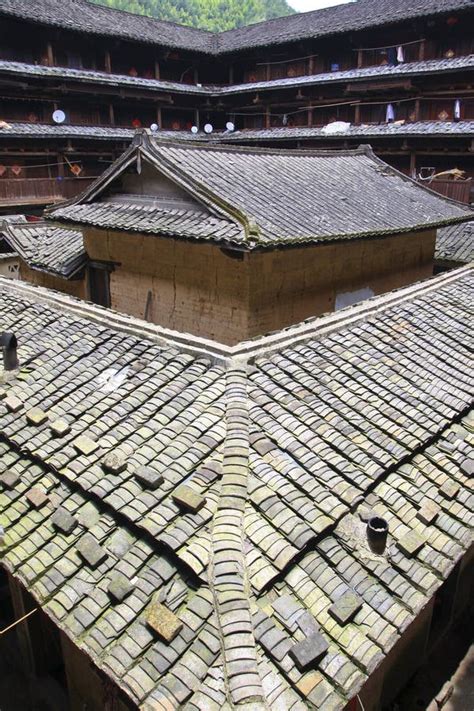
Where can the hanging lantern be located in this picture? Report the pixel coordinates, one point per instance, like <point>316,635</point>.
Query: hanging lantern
<point>75,169</point>
<point>132,72</point>
<point>136,123</point>
<point>16,170</point>
<point>400,55</point>
<point>176,125</point>
<point>452,21</point>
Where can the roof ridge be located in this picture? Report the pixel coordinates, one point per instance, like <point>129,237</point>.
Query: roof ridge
<point>245,351</point>
<point>228,574</point>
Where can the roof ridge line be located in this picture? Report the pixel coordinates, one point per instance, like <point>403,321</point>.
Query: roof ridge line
<point>245,351</point>
<point>228,574</point>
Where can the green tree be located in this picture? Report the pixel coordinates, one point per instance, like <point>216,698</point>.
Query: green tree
<point>214,15</point>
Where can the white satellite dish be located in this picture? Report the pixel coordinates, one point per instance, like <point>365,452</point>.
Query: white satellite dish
<point>59,116</point>
<point>230,126</point>
<point>194,129</point>
<point>154,127</point>
<point>208,128</point>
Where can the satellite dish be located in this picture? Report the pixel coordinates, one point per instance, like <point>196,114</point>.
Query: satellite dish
<point>208,128</point>
<point>154,127</point>
<point>194,129</point>
<point>230,126</point>
<point>59,116</point>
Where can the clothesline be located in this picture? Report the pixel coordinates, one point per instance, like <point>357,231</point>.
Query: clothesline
<point>17,622</point>
<point>345,103</point>
<point>388,46</point>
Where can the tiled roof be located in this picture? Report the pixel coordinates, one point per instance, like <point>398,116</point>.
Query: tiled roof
<point>282,197</point>
<point>46,248</point>
<point>456,244</point>
<point>140,217</point>
<point>38,130</point>
<point>432,66</point>
<point>235,493</point>
<point>95,77</point>
<point>339,19</point>
<point>364,131</point>
<point>82,16</point>
<point>448,129</point>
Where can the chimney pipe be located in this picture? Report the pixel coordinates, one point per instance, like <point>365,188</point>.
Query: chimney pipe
<point>9,344</point>
<point>377,532</point>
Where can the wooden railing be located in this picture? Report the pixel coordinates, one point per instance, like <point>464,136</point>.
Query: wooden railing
<point>455,189</point>
<point>39,191</point>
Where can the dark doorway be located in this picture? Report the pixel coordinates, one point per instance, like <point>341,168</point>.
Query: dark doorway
<point>99,284</point>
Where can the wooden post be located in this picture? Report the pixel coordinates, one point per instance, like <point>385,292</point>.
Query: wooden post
<point>417,109</point>
<point>310,115</point>
<point>22,630</point>
<point>157,69</point>
<point>267,117</point>
<point>231,74</point>
<point>357,114</point>
<point>422,50</point>
<point>111,115</point>
<point>159,119</point>
<point>196,75</point>
<point>311,65</point>
<point>50,54</point>
<point>360,58</point>
<point>107,61</point>
<point>196,117</point>
<point>267,72</point>
<point>61,162</point>
<point>413,165</point>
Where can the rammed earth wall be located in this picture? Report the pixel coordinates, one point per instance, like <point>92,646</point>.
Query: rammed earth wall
<point>200,289</point>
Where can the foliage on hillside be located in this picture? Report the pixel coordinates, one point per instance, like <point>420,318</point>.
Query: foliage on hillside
<point>215,15</point>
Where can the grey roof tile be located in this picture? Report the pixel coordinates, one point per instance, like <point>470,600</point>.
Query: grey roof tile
<point>270,197</point>
<point>46,248</point>
<point>300,438</point>
<point>455,244</point>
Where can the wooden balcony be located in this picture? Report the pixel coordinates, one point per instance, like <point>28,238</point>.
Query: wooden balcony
<point>40,191</point>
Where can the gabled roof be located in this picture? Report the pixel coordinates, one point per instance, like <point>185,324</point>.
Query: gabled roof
<point>251,475</point>
<point>277,197</point>
<point>455,244</point>
<point>83,16</point>
<point>46,248</point>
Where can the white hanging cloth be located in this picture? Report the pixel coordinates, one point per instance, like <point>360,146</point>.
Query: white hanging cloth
<point>390,113</point>
<point>457,109</point>
<point>400,55</point>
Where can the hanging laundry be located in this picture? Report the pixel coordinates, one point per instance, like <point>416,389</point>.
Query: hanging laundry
<point>392,56</point>
<point>390,114</point>
<point>457,110</point>
<point>400,54</point>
